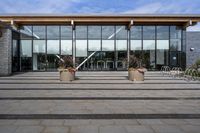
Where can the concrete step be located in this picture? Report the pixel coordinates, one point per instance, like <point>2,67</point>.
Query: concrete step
<point>100,93</point>
<point>99,107</point>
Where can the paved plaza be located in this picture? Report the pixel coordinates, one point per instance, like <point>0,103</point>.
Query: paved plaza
<point>98,102</point>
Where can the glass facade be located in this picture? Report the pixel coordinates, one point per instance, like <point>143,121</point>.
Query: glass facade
<point>36,47</point>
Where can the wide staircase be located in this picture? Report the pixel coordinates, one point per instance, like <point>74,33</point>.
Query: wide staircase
<point>102,102</point>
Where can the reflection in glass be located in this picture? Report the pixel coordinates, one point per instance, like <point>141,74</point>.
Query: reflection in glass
<point>107,45</point>
<point>94,45</point>
<point>163,32</point>
<point>26,32</point>
<point>121,48</point>
<point>149,54</point>
<point>162,53</point>
<point>136,32</point>
<point>66,40</point>
<point>52,46</point>
<point>39,46</point>
<point>66,32</point>
<point>136,45</point>
<point>148,44</point>
<point>94,32</point>
<point>81,48</point>
<point>39,52</point>
<point>15,55</point>
<point>149,32</point>
<point>52,62</point>
<point>53,32</point>
<point>39,32</point>
<point>66,47</point>
<point>26,54</point>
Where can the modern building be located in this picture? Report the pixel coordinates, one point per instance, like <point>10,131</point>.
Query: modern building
<point>31,42</point>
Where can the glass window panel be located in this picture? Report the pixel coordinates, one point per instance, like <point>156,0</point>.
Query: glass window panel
<point>94,32</point>
<point>148,44</point>
<point>66,47</point>
<point>52,46</point>
<point>163,32</point>
<point>175,32</point>
<point>39,32</point>
<point>26,32</point>
<point>66,32</point>
<point>107,45</point>
<point>148,32</point>
<point>121,45</point>
<point>136,32</point>
<point>163,44</point>
<point>26,48</point>
<point>175,44</point>
<point>81,32</point>
<point>81,48</point>
<point>136,44</point>
<point>39,46</point>
<point>15,50</point>
<point>121,32</point>
<point>94,45</point>
<point>53,32</point>
<point>108,32</point>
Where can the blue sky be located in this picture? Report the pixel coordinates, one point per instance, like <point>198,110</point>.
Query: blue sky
<point>102,6</point>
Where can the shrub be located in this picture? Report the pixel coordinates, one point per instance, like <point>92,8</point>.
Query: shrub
<point>67,62</point>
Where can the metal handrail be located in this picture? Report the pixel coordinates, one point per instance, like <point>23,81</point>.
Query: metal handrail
<point>85,60</point>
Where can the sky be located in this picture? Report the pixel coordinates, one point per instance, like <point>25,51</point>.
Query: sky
<point>103,6</point>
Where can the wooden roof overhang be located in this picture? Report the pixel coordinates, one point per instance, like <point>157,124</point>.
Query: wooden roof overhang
<point>129,20</point>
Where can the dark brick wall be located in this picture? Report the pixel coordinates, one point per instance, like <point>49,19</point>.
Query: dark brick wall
<point>5,52</point>
<point>192,41</point>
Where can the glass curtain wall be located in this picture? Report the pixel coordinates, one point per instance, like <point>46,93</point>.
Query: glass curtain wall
<point>136,41</point>
<point>39,48</point>
<point>81,46</point>
<point>108,47</point>
<point>53,47</point>
<point>155,45</point>
<point>15,51</point>
<point>175,46</point>
<point>26,48</point>
<point>121,48</point>
<point>162,47</point>
<point>66,40</point>
<point>94,45</point>
<point>149,37</point>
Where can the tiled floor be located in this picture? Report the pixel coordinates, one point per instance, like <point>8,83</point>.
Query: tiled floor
<point>98,102</point>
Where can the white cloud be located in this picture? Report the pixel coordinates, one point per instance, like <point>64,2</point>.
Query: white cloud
<point>37,6</point>
<point>148,8</point>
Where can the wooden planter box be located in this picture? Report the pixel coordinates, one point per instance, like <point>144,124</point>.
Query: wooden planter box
<point>66,75</point>
<point>135,75</point>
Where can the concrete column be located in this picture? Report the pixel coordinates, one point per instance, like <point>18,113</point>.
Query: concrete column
<point>73,45</point>
<point>6,52</point>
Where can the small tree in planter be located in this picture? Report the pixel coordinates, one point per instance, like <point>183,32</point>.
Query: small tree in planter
<point>136,69</point>
<point>66,69</point>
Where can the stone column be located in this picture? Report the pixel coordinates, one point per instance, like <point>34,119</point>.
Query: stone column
<point>5,52</point>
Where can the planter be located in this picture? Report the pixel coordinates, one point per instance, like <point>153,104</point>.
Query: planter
<point>136,75</point>
<point>67,75</point>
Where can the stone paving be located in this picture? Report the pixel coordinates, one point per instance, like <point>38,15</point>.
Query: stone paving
<point>98,93</point>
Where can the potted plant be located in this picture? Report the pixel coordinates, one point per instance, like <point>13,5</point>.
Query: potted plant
<point>66,69</point>
<point>136,69</point>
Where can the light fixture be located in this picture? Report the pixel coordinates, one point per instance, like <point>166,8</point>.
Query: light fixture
<point>191,49</point>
